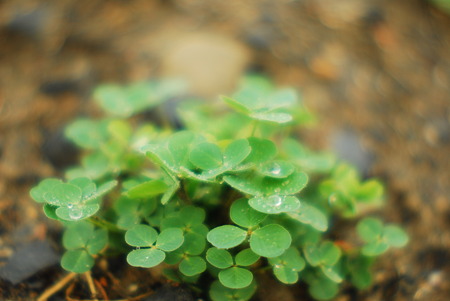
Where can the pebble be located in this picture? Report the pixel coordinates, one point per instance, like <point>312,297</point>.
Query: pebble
<point>27,260</point>
<point>348,147</point>
<point>211,64</point>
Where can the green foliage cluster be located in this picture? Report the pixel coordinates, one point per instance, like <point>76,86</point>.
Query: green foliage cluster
<point>232,194</point>
<point>444,5</point>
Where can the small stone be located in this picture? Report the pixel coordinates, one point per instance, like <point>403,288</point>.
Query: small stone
<point>28,260</point>
<point>348,147</point>
<point>210,63</point>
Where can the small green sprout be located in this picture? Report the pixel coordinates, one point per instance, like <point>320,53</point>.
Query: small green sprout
<point>379,238</point>
<point>232,274</point>
<point>82,242</point>
<point>230,195</point>
<point>151,247</point>
<point>287,266</point>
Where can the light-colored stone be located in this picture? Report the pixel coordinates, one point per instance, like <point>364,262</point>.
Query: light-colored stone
<point>211,64</point>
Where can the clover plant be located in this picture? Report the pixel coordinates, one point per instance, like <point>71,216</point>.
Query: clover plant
<point>231,194</point>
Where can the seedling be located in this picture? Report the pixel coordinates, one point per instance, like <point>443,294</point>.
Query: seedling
<point>232,194</point>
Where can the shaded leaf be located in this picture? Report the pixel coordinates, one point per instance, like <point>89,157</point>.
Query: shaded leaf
<point>219,258</point>
<point>369,229</point>
<point>244,215</point>
<point>310,215</point>
<point>77,261</point>
<point>191,266</point>
<point>218,292</point>
<point>235,277</point>
<point>323,289</point>
<point>147,189</point>
<point>77,235</point>
<point>395,236</point>
<point>246,257</point>
<point>206,156</point>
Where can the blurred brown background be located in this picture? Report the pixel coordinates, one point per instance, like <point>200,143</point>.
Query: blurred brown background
<point>376,72</point>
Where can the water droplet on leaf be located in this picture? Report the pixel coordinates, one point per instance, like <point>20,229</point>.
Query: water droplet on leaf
<point>75,214</point>
<point>275,200</point>
<point>275,169</point>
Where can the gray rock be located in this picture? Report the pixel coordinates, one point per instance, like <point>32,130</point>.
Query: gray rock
<point>348,147</point>
<point>29,259</point>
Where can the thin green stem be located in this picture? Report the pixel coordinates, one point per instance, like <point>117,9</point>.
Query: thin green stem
<point>182,193</point>
<point>95,220</point>
<point>255,125</point>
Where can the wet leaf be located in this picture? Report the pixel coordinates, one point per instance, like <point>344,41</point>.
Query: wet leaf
<point>270,241</point>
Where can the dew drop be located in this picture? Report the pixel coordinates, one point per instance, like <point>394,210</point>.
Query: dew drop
<point>75,214</point>
<point>277,190</point>
<point>275,200</point>
<point>70,205</point>
<point>275,169</point>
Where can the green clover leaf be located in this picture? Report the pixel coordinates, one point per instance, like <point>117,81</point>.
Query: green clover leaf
<point>45,186</point>
<point>253,184</point>
<point>275,204</point>
<point>306,159</point>
<point>323,289</point>
<point>145,236</point>
<point>192,265</point>
<point>225,237</point>
<point>326,254</point>
<point>244,215</point>
<point>310,215</point>
<point>235,277</point>
<point>270,241</point>
<point>246,257</point>
<point>170,239</point>
<point>145,258</point>
<point>141,236</point>
<point>82,242</point>
<point>147,189</point>
<point>219,258</point>
<point>378,237</point>
<point>77,261</point>
<point>262,150</point>
<point>64,194</point>
<point>206,156</point>
<point>276,169</point>
<point>219,292</point>
<point>287,266</point>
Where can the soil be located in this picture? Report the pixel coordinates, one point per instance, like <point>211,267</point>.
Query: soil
<point>377,69</point>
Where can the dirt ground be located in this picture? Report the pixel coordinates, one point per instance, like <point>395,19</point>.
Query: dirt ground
<point>379,69</point>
